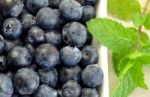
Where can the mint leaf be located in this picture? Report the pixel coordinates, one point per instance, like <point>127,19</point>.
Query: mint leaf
<point>144,38</point>
<point>147,22</point>
<point>112,34</point>
<point>125,87</point>
<point>138,20</point>
<point>124,9</point>
<point>144,48</point>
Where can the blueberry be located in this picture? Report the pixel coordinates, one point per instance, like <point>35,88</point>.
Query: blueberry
<point>54,3</point>
<point>89,39</point>
<point>59,92</point>
<point>6,86</point>
<point>12,28</point>
<point>45,91</point>
<point>46,56</point>
<point>48,77</point>
<point>28,21</point>
<point>3,64</point>
<point>1,20</point>
<point>54,37</point>
<point>15,95</point>
<point>35,35</point>
<point>70,73</point>
<point>74,34</point>
<point>47,18</point>
<point>71,89</point>
<point>31,49</point>
<point>92,76</point>
<point>89,56</point>
<point>91,2</point>
<point>70,56</point>
<point>88,13</point>
<point>35,5</point>
<point>71,10</point>
<point>9,44</point>
<point>89,92</point>
<point>26,81</point>
<point>11,7</point>
<point>19,57</point>
<point>2,44</point>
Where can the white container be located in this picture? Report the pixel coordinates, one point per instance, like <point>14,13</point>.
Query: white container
<point>103,54</point>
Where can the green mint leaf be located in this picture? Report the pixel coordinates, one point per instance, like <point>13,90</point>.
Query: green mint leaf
<point>113,35</point>
<point>138,20</point>
<point>147,22</point>
<point>124,9</point>
<point>124,87</point>
<point>144,38</point>
<point>144,48</point>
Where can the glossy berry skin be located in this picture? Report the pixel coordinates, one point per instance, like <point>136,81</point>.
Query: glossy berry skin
<point>54,37</point>
<point>88,13</point>
<point>28,21</point>
<point>45,91</point>
<point>2,44</point>
<point>71,10</point>
<point>89,92</point>
<point>92,76</point>
<point>19,57</point>
<point>9,44</point>
<point>48,77</point>
<point>70,56</point>
<point>26,81</point>
<point>46,56</point>
<point>71,89</point>
<point>54,3</point>
<point>31,49</point>
<point>91,2</point>
<point>89,56</point>
<point>70,73</point>
<point>47,18</point>
<point>74,34</point>
<point>6,86</point>
<point>12,28</point>
<point>34,5</point>
<point>36,35</point>
<point>11,8</point>
<point>3,64</point>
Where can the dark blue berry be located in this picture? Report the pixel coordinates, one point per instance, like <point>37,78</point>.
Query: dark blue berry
<point>35,5</point>
<point>71,89</point>
<point>12,28</point>
<point>47,56</point>
<point>6,86</point>
<point>70,56</point>
<point>31,49</point>
<point>26,81</point>
<point>11,7</point>
<point>89,92</point>
<point>3,64</point>
<point>91,2</point>
<point>54,37</point>
<point>70,73</point>
<point>89,56</point>
<point>45,91</point>
<point>19,57</point>
<point>92,76</point>
<point>28,21</point>
<point>2,44</point>
<point>47,18</point>
<point>71,10</point>
<point>36,35</point>
<point>48,77</point>
<point>54,3</point>
<point>88,13</point>
<point>9,44</point>
<point>74,34</point>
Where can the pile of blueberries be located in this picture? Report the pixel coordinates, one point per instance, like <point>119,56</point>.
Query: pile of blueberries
<point>45,49</point>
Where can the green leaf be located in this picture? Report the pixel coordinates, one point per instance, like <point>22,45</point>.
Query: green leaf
<point>138,20</point>
<point>147,22</point>
<point>144,38</point>
<point>124,9</point>
<point>144,48</point>
<point>125,86</point>
<point>113,35</point>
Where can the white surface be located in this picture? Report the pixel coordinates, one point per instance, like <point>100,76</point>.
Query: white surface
<point>103,61</point>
